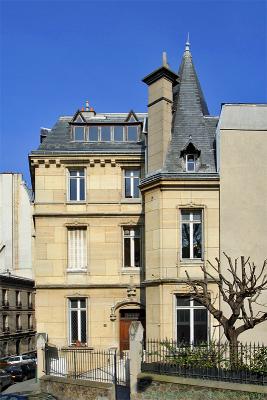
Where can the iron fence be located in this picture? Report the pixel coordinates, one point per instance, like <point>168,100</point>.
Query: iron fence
<point>244,363</point>
<point>87,364</point>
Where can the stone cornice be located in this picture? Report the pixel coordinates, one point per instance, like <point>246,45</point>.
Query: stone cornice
<point>177,180</point>
<point>85,286</point>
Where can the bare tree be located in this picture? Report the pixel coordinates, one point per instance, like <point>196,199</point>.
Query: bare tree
<point>239,287</point>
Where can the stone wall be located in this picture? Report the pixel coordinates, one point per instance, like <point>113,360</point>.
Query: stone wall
<point>160,387</point>
<point>69,389</point>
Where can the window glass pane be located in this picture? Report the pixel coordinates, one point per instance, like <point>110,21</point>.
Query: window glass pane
<point>74,326</point>
<point>200,325</point>
<point>73,173</point>
<point>183,326</point>
<point>185,215</point>
<point>136,232</point>
<point>137,252</point>
<point>73,189</point>
<point>128,187</point>
<point>127,252</point>
<point>132,133</point>
<point>80,172</point>
<point>105,133</point>
<point>185,241</point>
<point>82,303</point>
<point>82,191</point>
<point>197,240</point>
<point>93,133</point>
<point>118,133</point>
<point>183,301</point>
<point>73,303</point>
<point>83,326</point>
<point>197,215</point>
<point>79,133</point>
<point>136,193</point>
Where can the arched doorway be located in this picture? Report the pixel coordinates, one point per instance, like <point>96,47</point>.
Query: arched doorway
<point>127,315</point>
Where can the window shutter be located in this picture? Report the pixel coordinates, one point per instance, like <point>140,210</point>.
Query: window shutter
<point>77,249</point>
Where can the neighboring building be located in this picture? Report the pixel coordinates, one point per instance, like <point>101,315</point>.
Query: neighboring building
<point>17,324</point>
<point>107,253</point>
<point>243,190</point>
<point>17,327</point>
<point>16,226</point>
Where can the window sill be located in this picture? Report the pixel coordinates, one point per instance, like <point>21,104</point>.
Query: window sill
<point>137,200</point>
<point>192,261</point>
<point>76,202</point>
<point>76,271</point>
<point>131,270</point>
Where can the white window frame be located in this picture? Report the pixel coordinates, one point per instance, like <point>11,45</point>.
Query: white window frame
<point>84,133</point>
<point>191,223</point>
<point>137,133</point>
<point>83,255</point>
<point>132,177</point>
<point>78,309</point>
<point>191,309</point>
<point>78,177</point>
<point>98,133</point>
<point>187,162</point>
<point>132,236</point>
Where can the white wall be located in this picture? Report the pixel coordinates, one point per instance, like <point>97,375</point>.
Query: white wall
<point>15,226</point>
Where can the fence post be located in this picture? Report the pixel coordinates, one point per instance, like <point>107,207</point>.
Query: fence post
<point>136,333</point>
<point>41,341</point>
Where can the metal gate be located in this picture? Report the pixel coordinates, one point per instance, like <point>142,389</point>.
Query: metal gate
<point>108,366</point>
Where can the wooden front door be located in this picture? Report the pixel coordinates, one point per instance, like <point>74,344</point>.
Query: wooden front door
<point>126,318</point>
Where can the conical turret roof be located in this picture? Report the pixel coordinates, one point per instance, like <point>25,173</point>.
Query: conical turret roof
<point>191,121</point>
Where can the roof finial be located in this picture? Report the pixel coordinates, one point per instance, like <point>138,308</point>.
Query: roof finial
<point>164,59</point>
<point>187,45</point>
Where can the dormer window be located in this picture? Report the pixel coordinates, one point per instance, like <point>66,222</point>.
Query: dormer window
<point>190,157</point>
<point>78,134</point>
<point>190,163</point>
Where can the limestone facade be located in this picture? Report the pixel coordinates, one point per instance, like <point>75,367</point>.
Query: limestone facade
<point>106,254</point>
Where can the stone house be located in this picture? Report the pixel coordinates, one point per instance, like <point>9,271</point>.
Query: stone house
<point>124,204</point>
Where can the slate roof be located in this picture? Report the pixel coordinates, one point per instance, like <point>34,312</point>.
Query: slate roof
<point>58,139</point>
<point>191,122</point>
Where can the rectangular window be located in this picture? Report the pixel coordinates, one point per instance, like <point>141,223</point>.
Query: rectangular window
<point>5,323</point>
<point>18,322</point>
<point>18,301</point>
<point>132,135</point>
<point>131,183</point>
<point>77,320</point>
<point>93,134</point>
<point>4,298</point>
<point>118,133</point>
<point>76,184</point>
<point>192,321</point>
<point>29,299</point>
<point>190,163</point>
<point>77,249</point>
<point>191,228</point>
<point>105,134</point>
<point>131,247</point>
<point>78,133</point>
<point>30,321</point>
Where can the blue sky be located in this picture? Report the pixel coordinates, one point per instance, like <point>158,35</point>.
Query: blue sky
<point>57,54</point>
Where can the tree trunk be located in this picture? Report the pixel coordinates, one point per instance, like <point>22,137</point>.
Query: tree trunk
<point>233,348</point>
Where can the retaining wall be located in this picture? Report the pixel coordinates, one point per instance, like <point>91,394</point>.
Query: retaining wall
<point>163,387</point>
<point>70,389</point>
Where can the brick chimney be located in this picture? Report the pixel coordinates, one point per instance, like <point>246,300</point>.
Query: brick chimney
<point>160,98</point>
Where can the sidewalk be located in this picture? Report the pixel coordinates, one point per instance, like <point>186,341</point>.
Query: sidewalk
<point>26,387</point>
